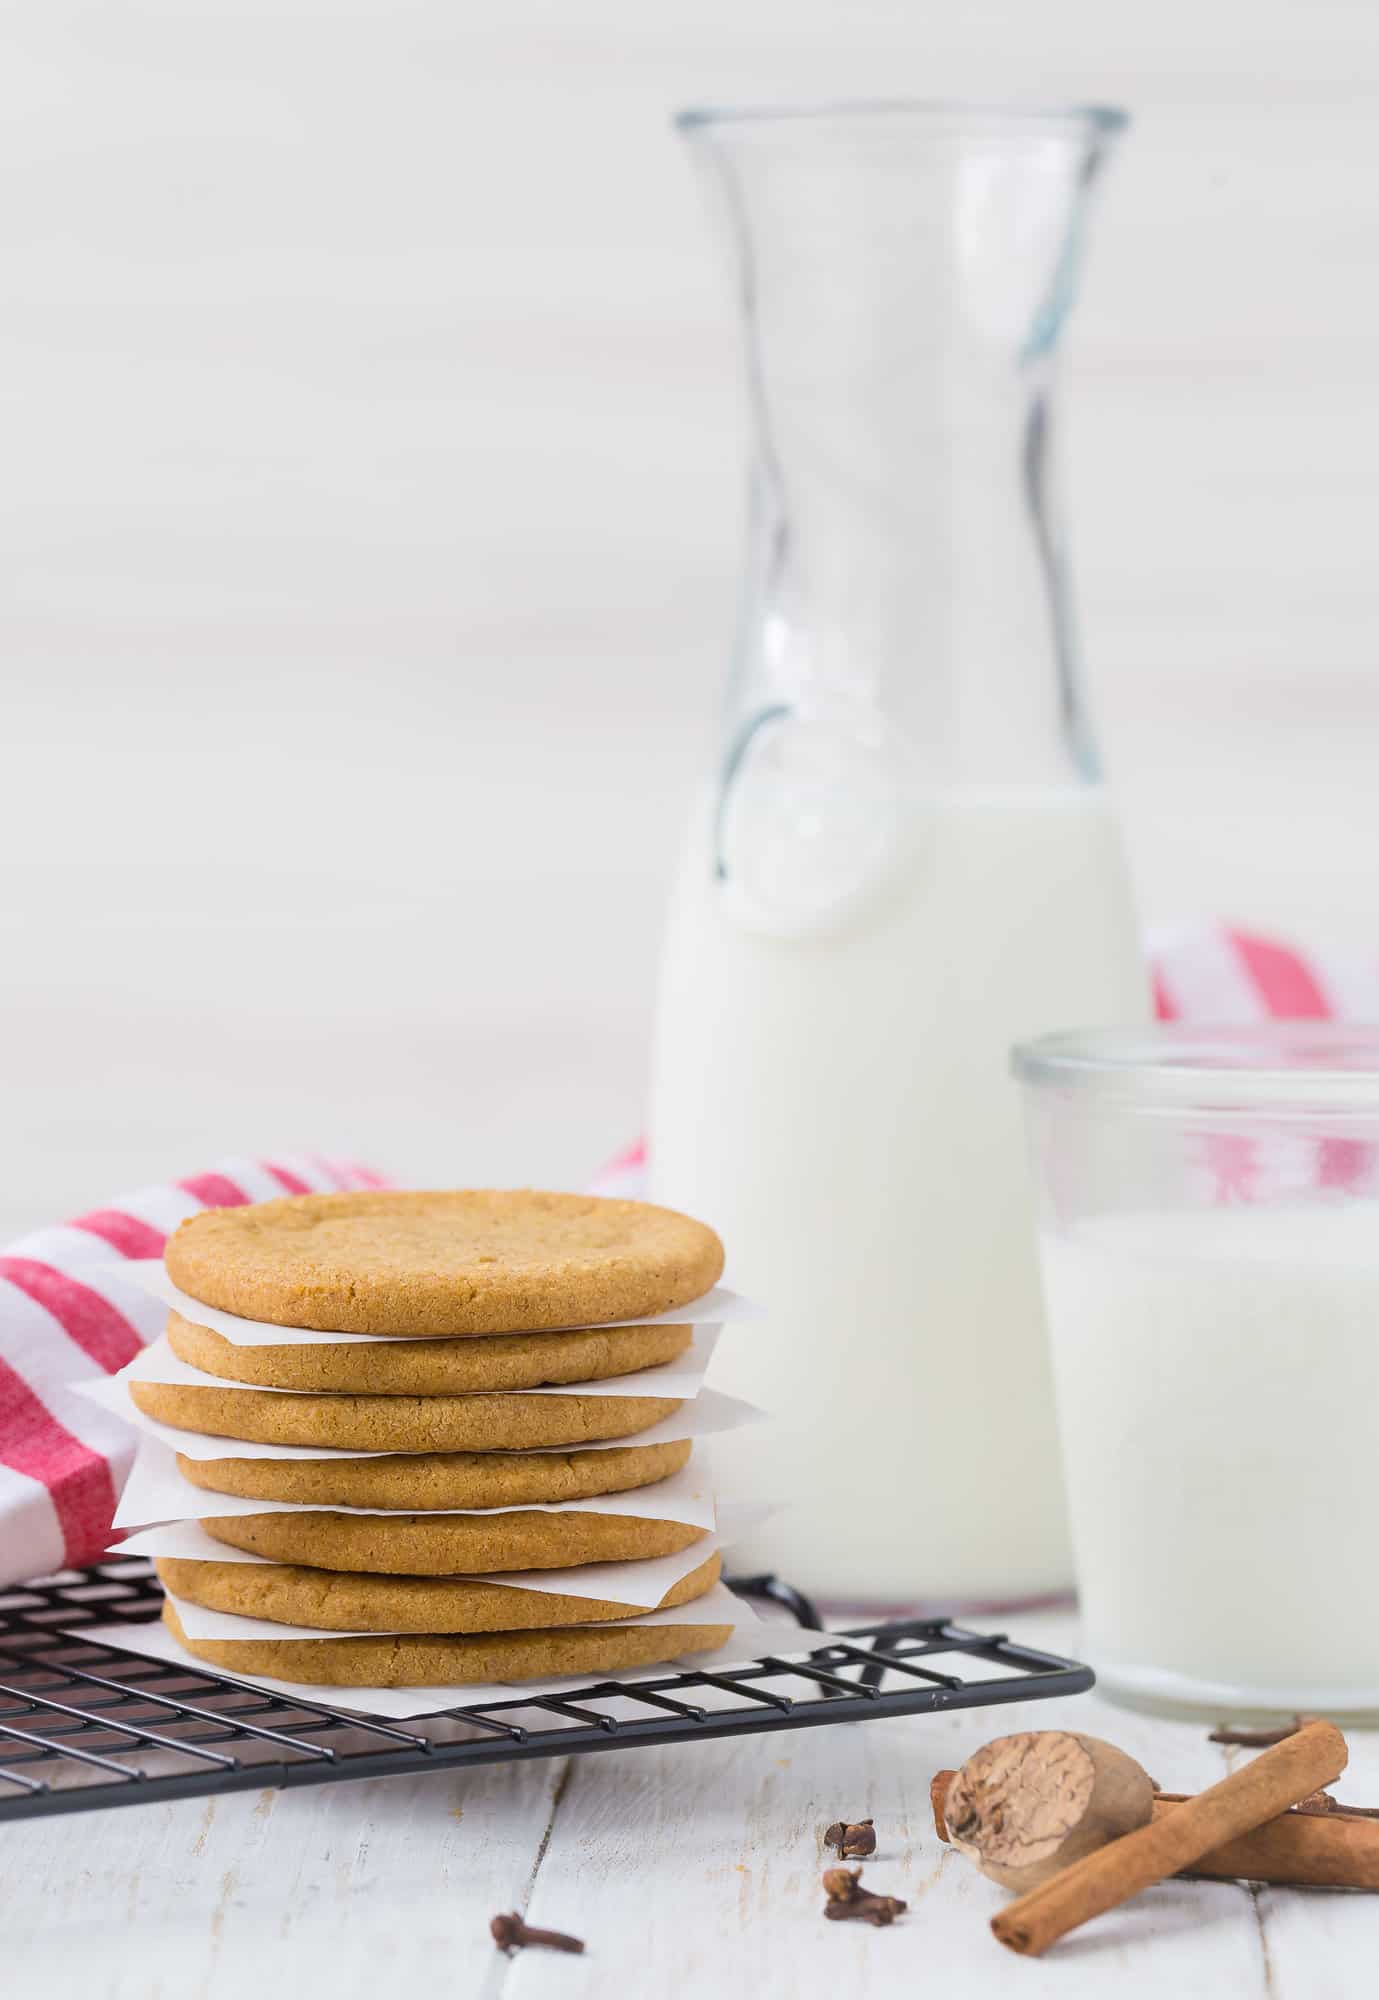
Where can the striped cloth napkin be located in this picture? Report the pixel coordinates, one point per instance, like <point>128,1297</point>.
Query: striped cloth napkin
<point>66,1312</point>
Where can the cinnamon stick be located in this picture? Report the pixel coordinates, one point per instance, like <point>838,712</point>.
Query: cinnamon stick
<point>938,1792</point>
<point>1175,1840</point>
<point>1301,1850</point>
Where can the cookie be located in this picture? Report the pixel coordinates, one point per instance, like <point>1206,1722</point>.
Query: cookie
<point>400,1423</point>
<point>432,1367</point>
<point>453,1661</point>
<point>474,1261</point>
<point>452,1544</point>
<point>421,1480</point>
<point>343,1601</point>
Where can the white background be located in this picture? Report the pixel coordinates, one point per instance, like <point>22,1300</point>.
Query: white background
<point>369,511</point>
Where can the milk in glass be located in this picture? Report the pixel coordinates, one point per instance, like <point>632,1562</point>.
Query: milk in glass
<point>1218,1392</point>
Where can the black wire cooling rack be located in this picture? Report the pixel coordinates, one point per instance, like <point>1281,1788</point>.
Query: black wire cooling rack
<point>84,1724</point>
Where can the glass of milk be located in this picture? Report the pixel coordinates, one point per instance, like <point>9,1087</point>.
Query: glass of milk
<point>1209,1239</point>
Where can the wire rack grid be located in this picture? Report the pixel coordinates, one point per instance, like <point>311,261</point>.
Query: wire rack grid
<point>84,1724</point>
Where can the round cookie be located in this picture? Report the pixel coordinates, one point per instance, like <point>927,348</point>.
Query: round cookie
<point>422,1480</point>
<point>432,1367</point>
<point>340,1601</point>
<point>472,1261</point>
<point>451,1544</point>
<point>400,1423</point>
<point>452,1661</point>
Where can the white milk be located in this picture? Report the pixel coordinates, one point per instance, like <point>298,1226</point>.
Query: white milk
<point>1218,1395</point>
<point>839,1106</point>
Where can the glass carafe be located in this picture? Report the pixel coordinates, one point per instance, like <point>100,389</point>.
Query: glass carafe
<point>905,860</point>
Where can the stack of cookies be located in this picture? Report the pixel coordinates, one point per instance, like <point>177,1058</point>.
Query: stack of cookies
<point>452,1309</point>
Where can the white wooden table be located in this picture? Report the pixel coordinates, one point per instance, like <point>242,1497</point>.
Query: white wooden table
<point>691,1870</point>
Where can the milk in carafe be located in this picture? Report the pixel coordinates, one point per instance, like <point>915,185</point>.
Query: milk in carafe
<point>839,1107</point>
<point>905,860</point>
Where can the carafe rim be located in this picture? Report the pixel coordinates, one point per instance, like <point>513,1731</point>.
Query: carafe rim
<point>1105,120</point>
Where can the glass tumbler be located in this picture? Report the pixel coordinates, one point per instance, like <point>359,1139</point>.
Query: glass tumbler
<point>1209,1239</point>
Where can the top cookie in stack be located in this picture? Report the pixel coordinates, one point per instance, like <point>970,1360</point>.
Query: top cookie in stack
<point>461,1294</point>
<point>466,1302</point>
<point>474,1262</point>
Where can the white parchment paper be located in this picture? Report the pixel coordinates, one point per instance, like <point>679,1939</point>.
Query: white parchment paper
<point>715,1307</point>
<point>717,1607</point>
<point>705,1415</point>
<point>683,1377</point>
<point>642,1584</point>
<point>156,1491</point>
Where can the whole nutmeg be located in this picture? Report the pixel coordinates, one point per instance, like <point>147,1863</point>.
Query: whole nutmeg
<point>1027,1806</point>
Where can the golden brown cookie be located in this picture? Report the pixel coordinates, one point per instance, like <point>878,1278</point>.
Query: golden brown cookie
<point>400,1423</point>
<point>432,1367</point>
<point>413,1482</point>
<point>450,1544</point>
<point>452,1661</point>
<point>343,1601</point>
<point>473,1261</point>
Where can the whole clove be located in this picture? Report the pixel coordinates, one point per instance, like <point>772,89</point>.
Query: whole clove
<point>1323,1803</point>
<point>852,1839</point>
<point>509,1932</point>
<point>848,1901</point>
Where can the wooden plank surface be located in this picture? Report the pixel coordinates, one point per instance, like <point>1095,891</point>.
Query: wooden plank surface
<point>690,1870</point>
<point>371,1889</point>
<point>739,1828</point>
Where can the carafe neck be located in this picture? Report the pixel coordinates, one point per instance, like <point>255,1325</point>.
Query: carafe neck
<point>904,275</point>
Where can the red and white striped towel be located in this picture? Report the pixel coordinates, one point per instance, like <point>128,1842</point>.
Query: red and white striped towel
<point>1207,973</point>
<point>66,1312</point>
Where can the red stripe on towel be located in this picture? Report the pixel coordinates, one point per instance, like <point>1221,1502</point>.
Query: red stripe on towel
<point>122,1232</point>
<point>214,1191</point>
<point>91,1321</point>
<point>1289,991</point>
<point>1164,1007</point>
<point>33,1442</point>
